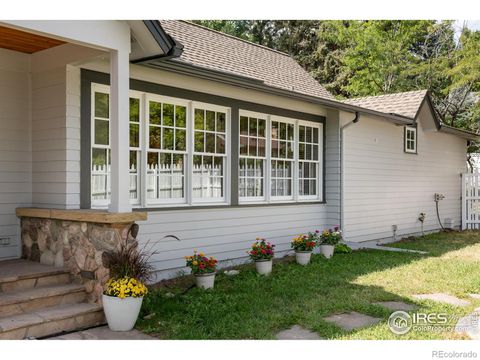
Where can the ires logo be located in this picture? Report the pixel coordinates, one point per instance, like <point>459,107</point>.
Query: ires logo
<point>401,322</point>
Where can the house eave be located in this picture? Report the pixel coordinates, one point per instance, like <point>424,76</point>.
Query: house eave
<point>255,84</point>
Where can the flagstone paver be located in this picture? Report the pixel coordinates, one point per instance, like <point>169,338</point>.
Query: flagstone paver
<point>297,332</point>
<point>443,298</point>
<point>470,325</point>
<point>352,320</point>
<point>475,296</point>
<point>104,333</point>
<point>396,305</point>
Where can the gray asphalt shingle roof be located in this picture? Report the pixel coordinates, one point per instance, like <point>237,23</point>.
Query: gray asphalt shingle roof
<point>405,103</point>
<point>213,50</point>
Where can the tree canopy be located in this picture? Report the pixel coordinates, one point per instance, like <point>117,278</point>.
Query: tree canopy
<point>361,58</point>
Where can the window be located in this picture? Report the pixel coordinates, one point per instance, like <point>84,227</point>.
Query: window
<point>279,159</point>
<point>167,151</point>
<point>178,150</point>
<point>410,138</point>
<point>308,165</point>
<point>100,155</point>
<point>252,156</point>
<point>209,153</point>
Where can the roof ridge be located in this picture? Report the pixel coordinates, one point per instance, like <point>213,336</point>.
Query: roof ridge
<point>392,94</point>
<point>234,37</point>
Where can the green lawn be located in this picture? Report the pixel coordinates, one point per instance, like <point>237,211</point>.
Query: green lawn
<point>249,306</point>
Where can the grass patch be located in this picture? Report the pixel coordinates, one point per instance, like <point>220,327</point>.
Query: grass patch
<point>249,306</point>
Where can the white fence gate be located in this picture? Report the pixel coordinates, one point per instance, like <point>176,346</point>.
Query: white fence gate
<point>471,201</point>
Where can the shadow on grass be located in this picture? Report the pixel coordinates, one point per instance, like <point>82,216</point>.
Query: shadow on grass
<point>249,306</point>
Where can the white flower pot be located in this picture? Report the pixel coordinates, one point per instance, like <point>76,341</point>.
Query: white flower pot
<point>205,281</point>
<point>264,267</point>
<point>327,250</point>
<point>303,257</point>
<point>121,314</point>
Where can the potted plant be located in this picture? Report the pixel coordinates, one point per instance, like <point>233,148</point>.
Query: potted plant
<point>203,268</point>
<point>328,240</point>
<point>303,246</point>
<point>262,254</point>
<point>124,291</point>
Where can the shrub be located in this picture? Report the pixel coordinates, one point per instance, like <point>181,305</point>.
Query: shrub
<point>129,262</point>
<point>342,249</point>
<point>261,250</point>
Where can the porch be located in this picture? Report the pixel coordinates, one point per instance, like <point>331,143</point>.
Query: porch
<point>57,285</point>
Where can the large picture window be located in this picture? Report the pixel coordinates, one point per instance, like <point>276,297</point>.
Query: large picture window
<point>279,159</point>
<point>180,154</point>
<point>178,150</point>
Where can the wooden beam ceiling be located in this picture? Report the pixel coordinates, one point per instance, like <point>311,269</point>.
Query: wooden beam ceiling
<point>25,42</point>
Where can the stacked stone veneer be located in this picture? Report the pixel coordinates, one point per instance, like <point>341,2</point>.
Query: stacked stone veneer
<point>77,246</point>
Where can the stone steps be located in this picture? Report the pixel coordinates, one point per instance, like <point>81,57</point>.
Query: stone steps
<point>51,321</point>
<point>17,275</point>
<point>19,302</point>
<point>38,300</point>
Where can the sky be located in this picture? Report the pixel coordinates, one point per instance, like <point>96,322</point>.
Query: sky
<point>471,24</point>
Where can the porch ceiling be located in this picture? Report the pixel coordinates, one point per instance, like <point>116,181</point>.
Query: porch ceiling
<point>25,42</point>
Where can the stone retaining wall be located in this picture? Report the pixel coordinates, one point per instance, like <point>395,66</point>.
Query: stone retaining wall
<point>77,246</point>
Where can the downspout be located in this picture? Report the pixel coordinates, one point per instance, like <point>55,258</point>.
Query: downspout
<point>342,128</point>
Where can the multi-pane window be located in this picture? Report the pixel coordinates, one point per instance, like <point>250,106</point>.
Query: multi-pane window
<point>410,138</point>
<point>252,156</point>
<point>178,150</point>
<point>167,151</point>
<point>287,164</point>
<point>308,160</point>
<point>179,153</point>
<point>209,153</point>
<point>101,154</point>
<point>282,159</point>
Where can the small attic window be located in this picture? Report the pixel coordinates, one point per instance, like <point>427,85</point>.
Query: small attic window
<point>410,140</point>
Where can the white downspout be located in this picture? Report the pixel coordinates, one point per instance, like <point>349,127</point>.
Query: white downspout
<point>342,177</point>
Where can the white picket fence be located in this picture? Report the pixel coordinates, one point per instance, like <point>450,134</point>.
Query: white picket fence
<point>471,201</point>
<point>163,182</point>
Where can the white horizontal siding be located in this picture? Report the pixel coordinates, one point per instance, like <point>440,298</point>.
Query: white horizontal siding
<point>226,233</point>
<point>15,152</point>
<point>56,137</point>
<point>385,186</point>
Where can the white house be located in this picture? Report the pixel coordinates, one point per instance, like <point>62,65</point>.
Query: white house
<point>206,141</point>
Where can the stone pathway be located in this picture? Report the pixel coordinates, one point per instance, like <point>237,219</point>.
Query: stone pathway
<point>396,305</point>
<point>475,296</point>
<point>443,298</point>
<point>352,320</point>
<point>470,325</point>
<point>373,245</point>
<point>104,333</point>
<point>297,332</point>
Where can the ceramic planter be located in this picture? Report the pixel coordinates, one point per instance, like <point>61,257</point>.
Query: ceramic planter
<point>303,257</point>
<point>264,267</point>
<point>205,281</point>
<point>327,250</point>
<point>121,314</point>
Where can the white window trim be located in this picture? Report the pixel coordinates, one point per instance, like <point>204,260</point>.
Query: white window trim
<point>414,130</point>
<point>146,149</point>
<point>295,198</point>
<point>257,199</point>
<point>319,162</point>
<point>144,114</point>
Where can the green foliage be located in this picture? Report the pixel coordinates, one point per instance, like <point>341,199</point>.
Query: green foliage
<point>247,306</point>
<point>362,58</point>
<point>342,249</point>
